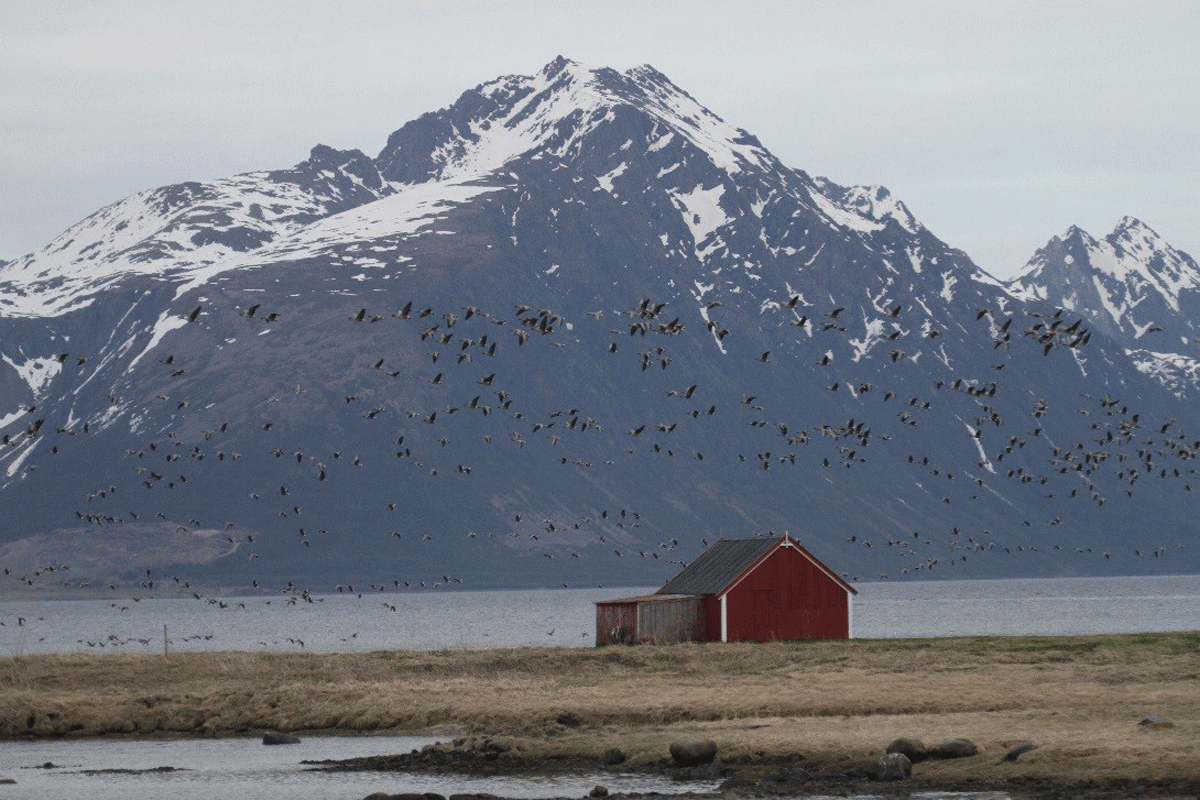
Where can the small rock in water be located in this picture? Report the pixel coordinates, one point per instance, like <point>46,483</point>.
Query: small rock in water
<point>598,791</point>
<point>280,738</point>
<point>7,781</point>
<point>892,767</point>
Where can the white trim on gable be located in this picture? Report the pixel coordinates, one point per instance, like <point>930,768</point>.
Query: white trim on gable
<point>787,541</point>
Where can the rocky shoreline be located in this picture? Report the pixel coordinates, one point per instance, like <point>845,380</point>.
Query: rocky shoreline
<point>744,776</point>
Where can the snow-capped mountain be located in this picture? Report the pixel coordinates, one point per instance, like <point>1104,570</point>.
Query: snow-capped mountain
<point>565,330</point>
<point>1133,286</point>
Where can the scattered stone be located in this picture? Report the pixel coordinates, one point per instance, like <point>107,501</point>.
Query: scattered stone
<point>6,781</point>
<point>272,737</point>
<point>1017,752</point>
<point>598,791</point>
<point>568,720</point>
<point>787,776</point>
<point>693,752</point>
<point>705,772</point>
<point>613,756</point>
<point>1155,721</point>
<point>955,748</point>
<point>913,749</point>
<point>892,767</point>
<point>733,784</point>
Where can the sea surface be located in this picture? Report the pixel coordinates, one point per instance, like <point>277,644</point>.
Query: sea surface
<point>439,620</point>
<point>244,768</point>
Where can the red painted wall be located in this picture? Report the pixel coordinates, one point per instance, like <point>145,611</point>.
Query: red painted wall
<point>785,596</point>
<point>712,618</point>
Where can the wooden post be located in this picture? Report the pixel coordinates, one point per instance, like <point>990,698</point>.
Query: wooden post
<point>165,653</point>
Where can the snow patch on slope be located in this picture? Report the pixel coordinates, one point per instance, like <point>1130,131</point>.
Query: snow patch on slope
<point>842,217</point>
<point>1178,373</point>
<point>169,231</point>
<point>701,209</point>
<point>412,208</point>
<point>165,324</point>
<point>36,372</point>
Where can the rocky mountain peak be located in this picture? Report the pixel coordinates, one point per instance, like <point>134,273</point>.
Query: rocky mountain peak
<point>554,112</point>
<point>1076,235</point>
<point>1131,284</point>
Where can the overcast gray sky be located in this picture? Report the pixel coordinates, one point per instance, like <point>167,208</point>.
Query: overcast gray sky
<point>999,124</point>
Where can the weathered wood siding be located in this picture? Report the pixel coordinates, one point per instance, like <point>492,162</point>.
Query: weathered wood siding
<point>671,621</point>
<point>616,623</point>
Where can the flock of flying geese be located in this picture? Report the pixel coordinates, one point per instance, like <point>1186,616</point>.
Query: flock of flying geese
<point>1121,446</point>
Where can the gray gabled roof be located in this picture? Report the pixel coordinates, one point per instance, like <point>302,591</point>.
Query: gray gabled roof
<point>718,566</point>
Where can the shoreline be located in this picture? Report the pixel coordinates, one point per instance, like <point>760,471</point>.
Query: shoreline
<point>815,713</point>
<point>769,777</point>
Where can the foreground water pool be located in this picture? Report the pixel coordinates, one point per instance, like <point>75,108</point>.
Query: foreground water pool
<point>244,768</point>
<point>127,768</point>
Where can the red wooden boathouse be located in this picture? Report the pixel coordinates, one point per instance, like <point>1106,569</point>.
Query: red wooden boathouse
<point>738,589</point>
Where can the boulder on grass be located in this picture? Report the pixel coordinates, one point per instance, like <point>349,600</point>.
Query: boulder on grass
<point>693,752</point>
<point>913,749</point>
<point>955,748</point>
<point>892,767</point>
<point>613,756</point>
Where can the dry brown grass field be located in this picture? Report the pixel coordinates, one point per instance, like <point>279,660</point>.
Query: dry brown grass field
<point>1080,699</point>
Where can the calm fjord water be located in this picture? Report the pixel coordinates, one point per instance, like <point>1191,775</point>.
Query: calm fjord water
<point>565,617</point>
